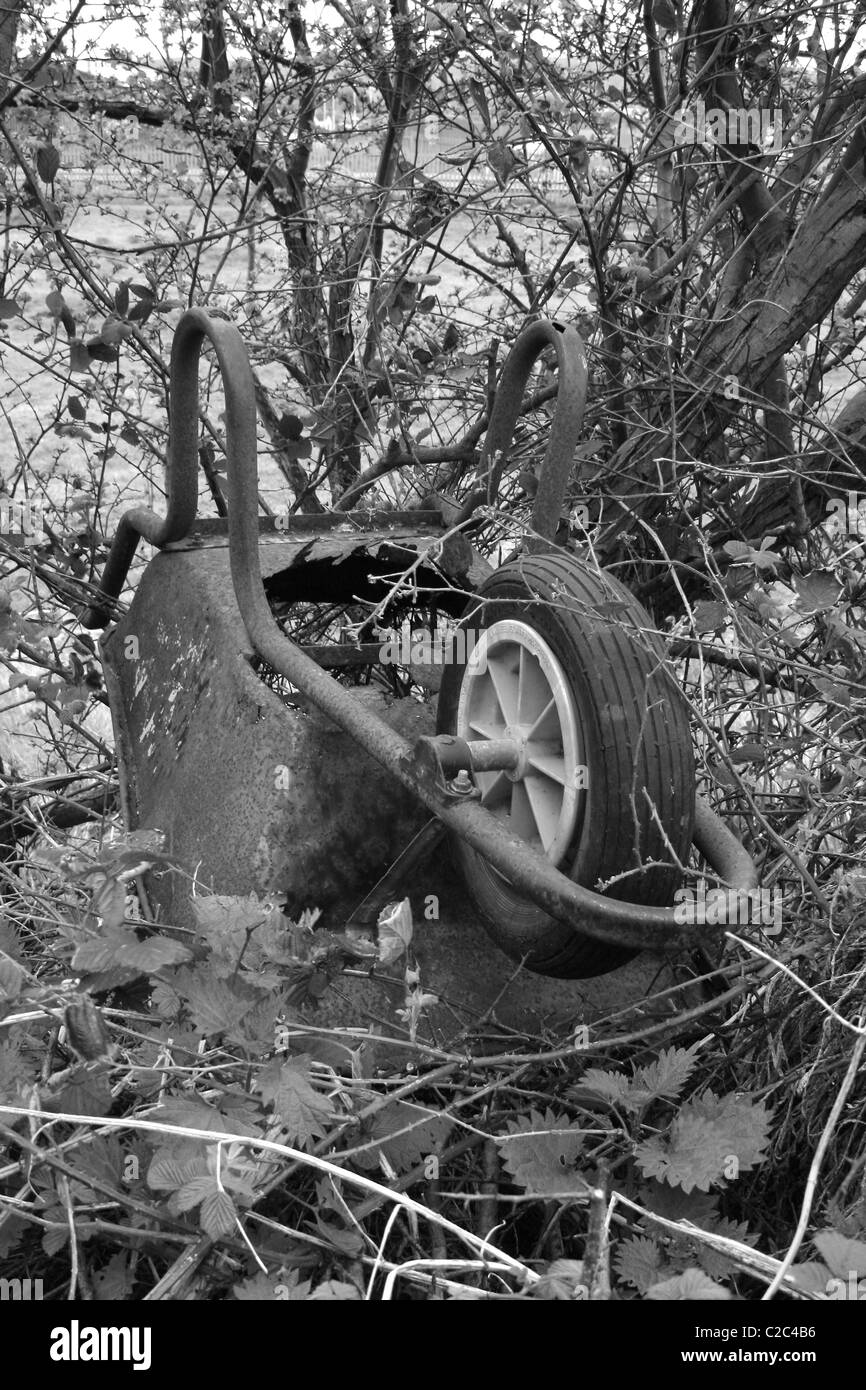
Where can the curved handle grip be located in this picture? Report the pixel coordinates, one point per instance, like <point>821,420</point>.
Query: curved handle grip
<point>567,420</point>
<point>182,470</point>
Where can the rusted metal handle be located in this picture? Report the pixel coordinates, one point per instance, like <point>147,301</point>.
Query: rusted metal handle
<point>182,470</point>
<point>565,431</point>
<point>606,919</point>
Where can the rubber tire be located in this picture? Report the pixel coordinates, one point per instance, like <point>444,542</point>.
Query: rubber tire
<point>636,735</point>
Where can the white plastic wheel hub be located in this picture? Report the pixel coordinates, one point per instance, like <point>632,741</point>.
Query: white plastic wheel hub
<point>515,689</point>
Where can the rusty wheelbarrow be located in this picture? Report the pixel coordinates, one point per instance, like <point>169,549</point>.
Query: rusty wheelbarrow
<point>561,760</point>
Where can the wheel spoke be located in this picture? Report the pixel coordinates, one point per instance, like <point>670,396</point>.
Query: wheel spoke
<point>486,728</point>
<point>535,694</point>
<point>495,788</point>
<point>550,766</point>
<point>546,803</point>
<point>523,821</point>
<point>546,723</point>
<point>504,684</point>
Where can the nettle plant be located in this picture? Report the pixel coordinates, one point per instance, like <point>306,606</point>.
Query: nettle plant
<point>219,1105</point>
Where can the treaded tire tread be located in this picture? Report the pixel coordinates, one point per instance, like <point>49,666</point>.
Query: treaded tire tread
<point>637,734</point>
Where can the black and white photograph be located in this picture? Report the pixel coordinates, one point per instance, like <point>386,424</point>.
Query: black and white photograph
<point>433,668</point>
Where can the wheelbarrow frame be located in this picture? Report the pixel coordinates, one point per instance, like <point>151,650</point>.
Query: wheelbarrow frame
<point>424,768</point>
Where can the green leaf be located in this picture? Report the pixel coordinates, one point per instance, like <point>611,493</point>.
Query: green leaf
<point>691,1285</point>
<point>301,1109</point>
<point>9,309</point>
<point>540,1152</point>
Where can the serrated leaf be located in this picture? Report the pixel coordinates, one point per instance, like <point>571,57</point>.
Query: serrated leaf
<point>540,1152</point>
<point>710,616</point>
<point>665,1078</point>
<point>15,1073</point>
<point>561,1281</point>
<point>11,979</point>
<point>707,1134</point>
<point>124,949</point>
<point>225,921</point>
<point>691,1285</point>
<point>842,1255</point>
<point>334,1290</point>
<point>613,1085</point>
<point>216,1005</point>
<point>662,1079</point>
<point>713,1262</point>
<point>262,1288</point>
<point>812,1276</point>
<point>12,1233</point>
<point>85,1092</point>
<point>194,1191</point>
<point>638,1262</point>
<point>817,592</point>
<point>700,1208</point>
<point>113,1283</point>
<point>168,1174</point>
<point>218,1214</point>
<point>300,1108</point>
<point>191,1113</point>
<point>426,1132</point>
